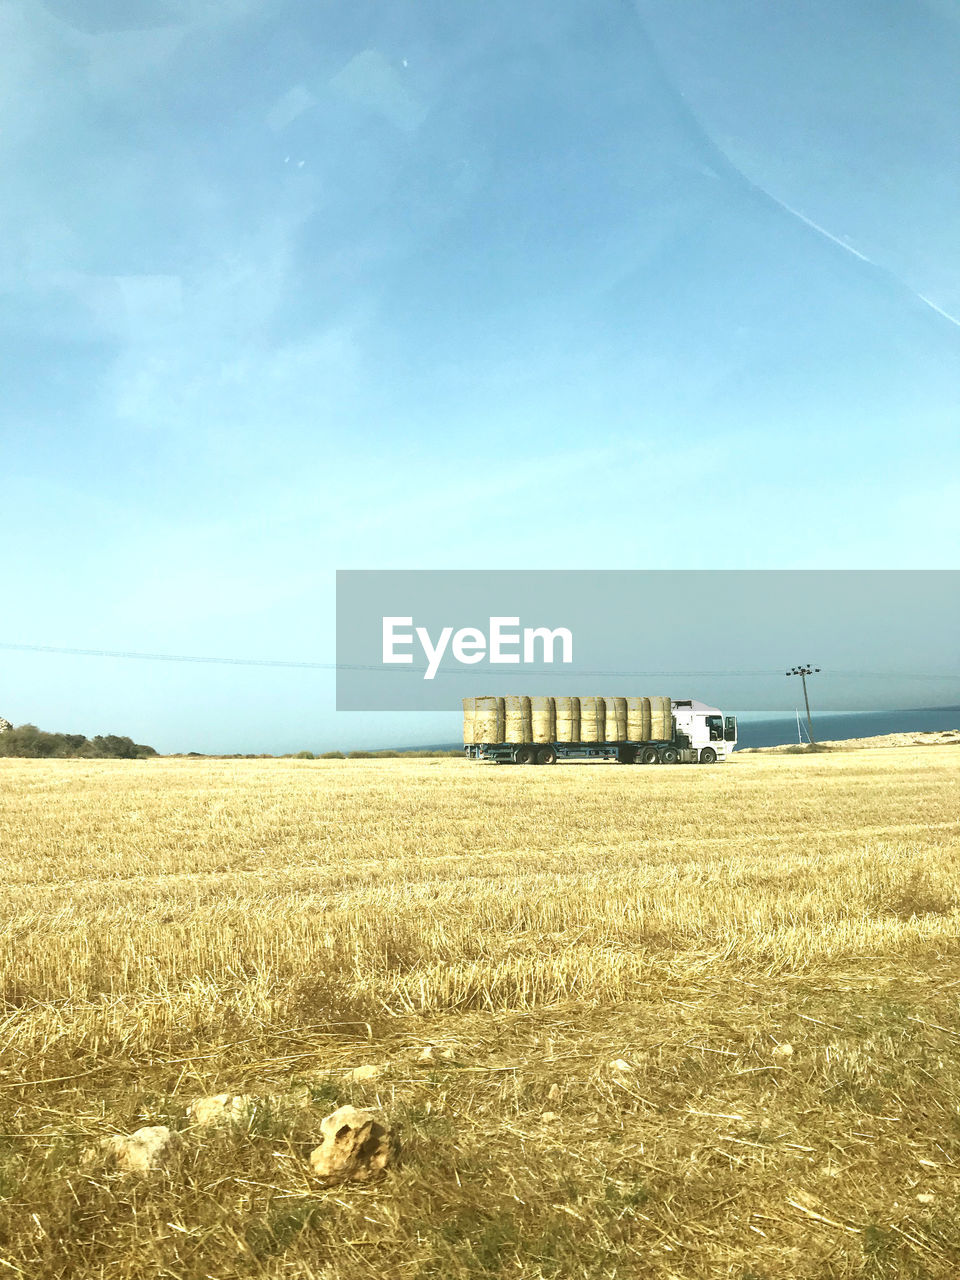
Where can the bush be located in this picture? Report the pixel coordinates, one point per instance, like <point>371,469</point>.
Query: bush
<point>389,753</point>
<point>304,755</point>
<point>27,741</point>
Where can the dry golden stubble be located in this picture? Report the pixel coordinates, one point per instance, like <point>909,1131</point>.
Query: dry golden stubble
<point>769,947</point>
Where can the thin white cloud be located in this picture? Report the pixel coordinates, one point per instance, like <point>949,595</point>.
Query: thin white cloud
<point>291,105</point>
<point>738,167</point>
<point>939,310</point>
<point>370,81</point>
<point>845,245</point>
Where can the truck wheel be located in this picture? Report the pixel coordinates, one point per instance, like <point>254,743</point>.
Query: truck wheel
<point>524,755</point>
<point>649,756</point>
<point>708,756</point>
<point>669,755</point>
<point>546,755</point>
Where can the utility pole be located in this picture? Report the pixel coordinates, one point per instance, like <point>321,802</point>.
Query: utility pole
<point>803,672</point>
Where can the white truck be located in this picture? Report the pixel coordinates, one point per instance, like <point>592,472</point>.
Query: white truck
<point>540,730</point>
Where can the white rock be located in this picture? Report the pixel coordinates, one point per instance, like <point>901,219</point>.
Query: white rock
<point>148,1149</point>
<point>221,1108</point>
<point>783,1051</point>
<point>620,1064</point>
<point>431,1052</point>
<point>355,1147</point>
<point>365,1073</point>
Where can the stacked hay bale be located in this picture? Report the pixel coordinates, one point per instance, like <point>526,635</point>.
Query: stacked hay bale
<point>568,719</point>
<point>517,724</point>
<point>661,718</point>
<point>615,719</point>
<point>488,720</point>
<point>469,721</point>
<point>638,719</point>
<point>591,720</point>
<point>543,719</point>
<point>519,718</point>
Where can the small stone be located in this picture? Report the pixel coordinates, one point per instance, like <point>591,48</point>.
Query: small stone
<point>142,1152</point>
<point>620,1064</point>
<point>355,1147</point>
<point>221,1108</point>
<point>554,1093</point>
<point>548,1117</point>
<point>431,1053</point>
<point>925,1198</point>
<point>783,1050</point>
<point>369,1072</point>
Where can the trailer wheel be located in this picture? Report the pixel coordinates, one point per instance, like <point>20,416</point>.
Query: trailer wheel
<point>524,755</point>
<point>669,755</point>
<point>546,755</point>
<point>708,756</point>
<point>649,756</point>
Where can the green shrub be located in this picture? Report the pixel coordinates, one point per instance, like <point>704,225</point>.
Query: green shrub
<point>27,741</point>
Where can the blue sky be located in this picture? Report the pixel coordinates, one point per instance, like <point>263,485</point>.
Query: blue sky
<point>292,287</point>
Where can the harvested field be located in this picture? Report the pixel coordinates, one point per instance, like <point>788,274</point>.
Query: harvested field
<point>688,1022</point>
<point>930,738</point>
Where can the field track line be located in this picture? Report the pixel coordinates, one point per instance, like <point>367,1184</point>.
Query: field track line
<point>499,855</point>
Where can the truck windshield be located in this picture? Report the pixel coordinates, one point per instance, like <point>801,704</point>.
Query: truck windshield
<point>715,725</point>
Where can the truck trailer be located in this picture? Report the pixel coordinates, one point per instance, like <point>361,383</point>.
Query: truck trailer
<point>629,730</point>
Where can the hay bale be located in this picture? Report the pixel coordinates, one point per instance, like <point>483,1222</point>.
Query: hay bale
<point>661,718</point>
<point>488,720</point>
<point>568,719</point>
<point>591,720</point>
<point>469,721</point>
<point>517,725</point>
<point>615,719</point>
<point>543,719</point>
<point>638,719</point>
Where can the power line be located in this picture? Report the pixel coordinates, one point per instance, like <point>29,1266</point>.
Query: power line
<point>172,657</point>
<point>143,656</point>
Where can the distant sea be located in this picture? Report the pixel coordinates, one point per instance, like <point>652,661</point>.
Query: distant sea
<point>860,724</point>
<point>828,728</point>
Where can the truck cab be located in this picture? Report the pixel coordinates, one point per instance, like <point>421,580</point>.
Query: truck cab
<point>711,734</point>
